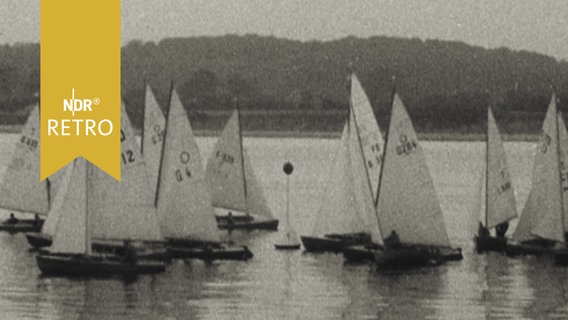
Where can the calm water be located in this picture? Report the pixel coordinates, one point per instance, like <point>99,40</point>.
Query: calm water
<point>295,285</point>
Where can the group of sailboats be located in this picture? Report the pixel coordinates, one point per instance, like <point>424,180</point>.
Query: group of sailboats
<point>380,203</point>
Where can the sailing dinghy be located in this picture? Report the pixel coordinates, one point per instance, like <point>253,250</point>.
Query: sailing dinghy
<point>410,217</point>
<point>71,252</point>
<point>183,198</point>
<point>345,218</point>
<point>234,185</point>
<point>541,226</point>
<point>498,204</point>
<point>21,189</point>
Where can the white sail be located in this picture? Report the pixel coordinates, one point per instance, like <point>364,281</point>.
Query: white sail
<point>152,137</point>
<point>368,130</point>
<point>542,214</point>
<point>563,150</point>
<point>230,175</point>
<point>362,190</point>
<point>124,209</point>
<point>408,203</point>
<point>21,188</point>
<point>50,225</point>
<point>184,201</point>
<point>501,205</point>
<point>72,235</point>
<point>337,213</point>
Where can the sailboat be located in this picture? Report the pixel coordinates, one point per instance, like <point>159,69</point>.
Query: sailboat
<point>498,205</point>
<point>71,251</point>
<point>21,189</point>
<point>183,200</point>
<point>411,220</point>
<point>542,223</point>
<point>121,210</point>
<point>234,185</point>
<point>345,217</point>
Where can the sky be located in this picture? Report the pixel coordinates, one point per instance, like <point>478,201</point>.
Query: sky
<point>540,26</point>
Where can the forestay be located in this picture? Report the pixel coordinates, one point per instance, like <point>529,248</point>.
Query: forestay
<point>152,137</point>
<point>21,188</point>
<point>124,209</point>
<point>231,178</point>
<point>184,201</point>
<point>408,203</point>
<point>542,214</point>
<point>501,205</point>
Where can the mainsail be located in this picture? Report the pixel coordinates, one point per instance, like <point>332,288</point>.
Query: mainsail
<point>231,178</point>
<point>563,153</point>
<point>368,130</point>
<point>152,137</point>
<point>50,224</point>
<point>542,214</point>
<point>407,202</point>
<point>183,200</point>
<point>123,209</point>
<point>72,234</point>
<point>21,188</point>
<point>500,197</point>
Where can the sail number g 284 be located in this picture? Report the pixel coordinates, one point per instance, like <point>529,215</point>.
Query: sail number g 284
<point>405,145</point>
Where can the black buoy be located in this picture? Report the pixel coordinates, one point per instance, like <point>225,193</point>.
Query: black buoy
<point>290,242</point>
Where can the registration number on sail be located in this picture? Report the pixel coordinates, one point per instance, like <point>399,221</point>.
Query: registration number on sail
<point>406,145</point>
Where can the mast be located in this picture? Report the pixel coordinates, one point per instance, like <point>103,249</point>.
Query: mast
<point>385,145</point>
<point>559,114</point>
<point>143,117</point>
<point>487,166</point>
<point>87,240</point>
<point>242,154</point>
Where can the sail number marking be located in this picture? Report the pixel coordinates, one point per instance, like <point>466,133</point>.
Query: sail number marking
<point>184,158</point>
<point>30,143</point>
<point>224,157</point>
<point>406,146</point>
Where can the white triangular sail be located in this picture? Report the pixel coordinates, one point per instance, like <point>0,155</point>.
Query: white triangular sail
<point>184,202</point>
<point>50,225</point>
<point>542,214</point>
<point>563,153</point>
<point>152,137</point>
<point>362,190</point>
<point>338,213</point>
<point>408,203</point>
<point>234,185</point>
<point>501,205</point>
<point>21,188</point>
<point>72,234</point>
<point>124,209</point>
<point>368,130</point>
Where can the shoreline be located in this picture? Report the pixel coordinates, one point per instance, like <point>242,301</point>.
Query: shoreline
<point>426,136</point>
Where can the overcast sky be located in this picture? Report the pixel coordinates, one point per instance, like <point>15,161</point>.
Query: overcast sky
<point>540,26</point>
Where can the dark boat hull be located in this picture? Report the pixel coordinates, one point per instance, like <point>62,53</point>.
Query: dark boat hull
<point>529,248</point>
<point>561,257</point>
<point>272,224</point>
<point>488,243</point>
<point>334,242</point>
<point>81,265</point>
<point>211,253</point>
<point>23,225</point>
<point>360,253</point>
<point>409,257</point>
<point>38,239</point>
<point>287,246</point>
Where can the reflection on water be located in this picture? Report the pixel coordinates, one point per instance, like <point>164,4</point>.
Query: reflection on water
<point>296,285</point>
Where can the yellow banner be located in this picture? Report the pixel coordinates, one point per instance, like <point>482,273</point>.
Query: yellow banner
<point>80,84</point>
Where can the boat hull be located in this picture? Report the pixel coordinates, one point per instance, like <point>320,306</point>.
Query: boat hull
<point>334,242</point>
<point>38,239</point>
<point>410,257</point>
<point>528,248</point>
<point>82,265</point>
<point>287,246</point>
<point>561,257</point>
<point>211,253</point>
<point>360,253</point>
<point>246,224</point>
<point>488,243</point>
<point>23,225</point>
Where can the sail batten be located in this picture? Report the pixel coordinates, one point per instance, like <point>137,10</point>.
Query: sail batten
<point>183,200</point>
<point>408,203</point>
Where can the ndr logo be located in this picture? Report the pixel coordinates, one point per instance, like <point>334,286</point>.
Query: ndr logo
<point>75,105</point>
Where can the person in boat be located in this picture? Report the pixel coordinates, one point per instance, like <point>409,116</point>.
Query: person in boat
<point>484,232</point>
<point>37,220</point>
<point>230,221</point>
<point>12,219</point>
<point>129,253</point>
<point>393,241</point>
<point>501,229</point>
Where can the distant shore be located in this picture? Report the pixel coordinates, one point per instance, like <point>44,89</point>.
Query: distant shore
<point>427,136</point>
